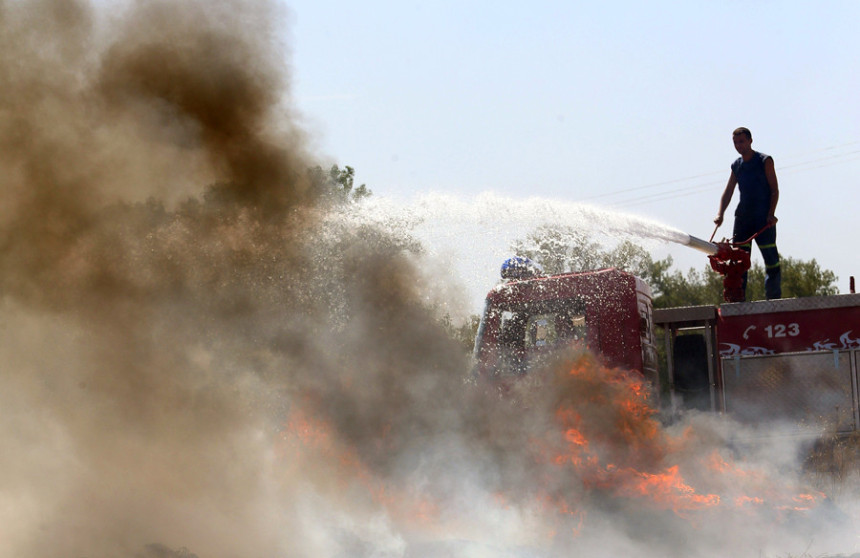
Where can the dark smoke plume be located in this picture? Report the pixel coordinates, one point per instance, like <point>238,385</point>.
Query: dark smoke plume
<point>172,296</point>
<point>152,269</point>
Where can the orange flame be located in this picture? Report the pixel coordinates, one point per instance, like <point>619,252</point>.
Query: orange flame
<point>628,454</point>
<point>311,438</point>
<point>607,439</point>
<point>666,490</point>
<point>610,454</point>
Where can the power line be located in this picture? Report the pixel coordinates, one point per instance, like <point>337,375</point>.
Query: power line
<point>855,152</point>
<point>671,194</point>
<point>654,185</point>
<point>819,162</point>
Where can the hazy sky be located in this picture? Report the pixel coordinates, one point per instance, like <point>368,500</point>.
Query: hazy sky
<point>625,104</point>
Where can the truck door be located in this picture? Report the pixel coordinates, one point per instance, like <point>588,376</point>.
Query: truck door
<point>690,357</point>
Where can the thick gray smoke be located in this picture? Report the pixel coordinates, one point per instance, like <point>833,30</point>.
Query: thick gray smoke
<point>198,359</point>
<point>173,302</point>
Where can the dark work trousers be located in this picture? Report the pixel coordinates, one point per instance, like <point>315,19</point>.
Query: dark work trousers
<point>745,228</point>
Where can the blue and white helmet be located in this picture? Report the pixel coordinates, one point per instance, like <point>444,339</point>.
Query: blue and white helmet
<point>519,267</point>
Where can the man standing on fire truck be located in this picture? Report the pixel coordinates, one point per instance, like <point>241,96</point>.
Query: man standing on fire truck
<point>754,174</point>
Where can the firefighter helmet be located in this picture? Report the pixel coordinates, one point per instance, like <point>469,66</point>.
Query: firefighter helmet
<point>519,267</point>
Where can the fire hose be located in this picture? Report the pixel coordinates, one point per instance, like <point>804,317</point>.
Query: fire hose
<point>729,260</point>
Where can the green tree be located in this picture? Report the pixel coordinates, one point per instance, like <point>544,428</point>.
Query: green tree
<point>799,279</point>
<point>565,249</point>
<point>559,249</point>
<point>336,184</point>
<point>671,288</point>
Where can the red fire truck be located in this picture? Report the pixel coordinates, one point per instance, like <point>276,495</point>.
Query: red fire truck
<point>793,360</point>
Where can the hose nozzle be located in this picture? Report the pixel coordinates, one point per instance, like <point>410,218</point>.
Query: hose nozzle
<point>701,245</point>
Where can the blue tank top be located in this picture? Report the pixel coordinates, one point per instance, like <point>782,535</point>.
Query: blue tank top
<point>752,183</point>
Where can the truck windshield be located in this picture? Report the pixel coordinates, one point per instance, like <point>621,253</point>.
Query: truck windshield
<point>529,330</point>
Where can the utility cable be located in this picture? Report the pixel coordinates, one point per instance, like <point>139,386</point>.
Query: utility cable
<point>829,160</point>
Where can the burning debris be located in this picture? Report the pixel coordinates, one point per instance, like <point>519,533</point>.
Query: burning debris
<point>195,363</point>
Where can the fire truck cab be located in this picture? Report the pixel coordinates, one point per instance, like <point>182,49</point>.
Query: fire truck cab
<point>608,311</point>
<point>793,360</point>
